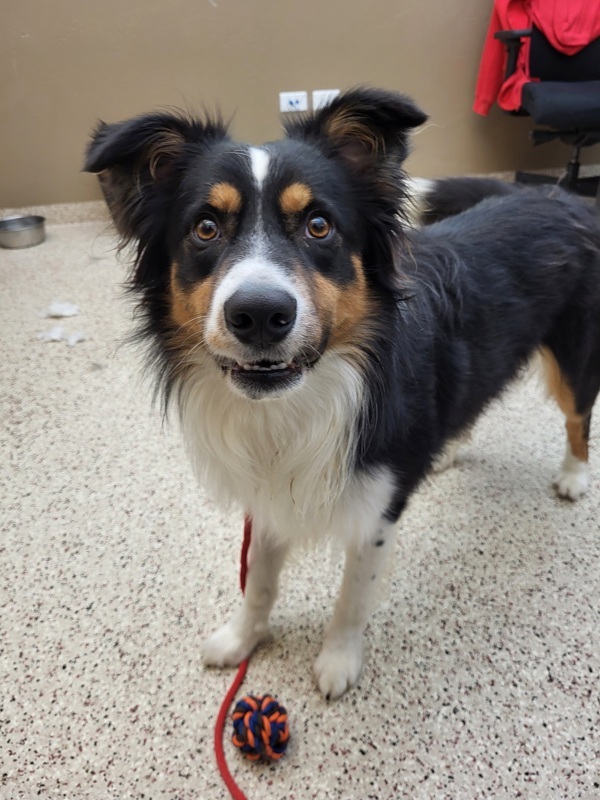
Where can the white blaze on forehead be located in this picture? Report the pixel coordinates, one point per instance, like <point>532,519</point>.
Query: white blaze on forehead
<point>259,159</point>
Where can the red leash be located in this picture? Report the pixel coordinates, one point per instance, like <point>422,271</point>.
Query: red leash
<point>234,789</point>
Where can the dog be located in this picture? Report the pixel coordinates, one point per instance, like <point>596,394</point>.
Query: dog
<point>321,352</point>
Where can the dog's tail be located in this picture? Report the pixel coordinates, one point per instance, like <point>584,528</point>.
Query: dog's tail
<point>434,200</point>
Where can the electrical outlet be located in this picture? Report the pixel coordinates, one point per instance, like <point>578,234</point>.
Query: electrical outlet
<point>322,97</point>
<point>293,101</point>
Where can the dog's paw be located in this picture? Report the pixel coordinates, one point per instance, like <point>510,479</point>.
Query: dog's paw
<point>447,457</point>
<point>573,483</point>
<point>338,665</point>
<point>445,460</point>
<point>231,644</point>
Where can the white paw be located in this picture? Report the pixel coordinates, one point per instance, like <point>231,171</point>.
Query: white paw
<point>338,665</point>
<point>573,483</point>
<point>231,644</point>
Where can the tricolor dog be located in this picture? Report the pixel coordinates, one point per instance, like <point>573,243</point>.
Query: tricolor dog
<point>322,353</point>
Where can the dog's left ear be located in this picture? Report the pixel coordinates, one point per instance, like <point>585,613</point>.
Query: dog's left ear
<point>363,126</point>
<point>367,131</point>
<point>139,159</point>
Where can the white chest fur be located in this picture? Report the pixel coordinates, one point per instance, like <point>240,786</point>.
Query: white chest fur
<point>288,461</point>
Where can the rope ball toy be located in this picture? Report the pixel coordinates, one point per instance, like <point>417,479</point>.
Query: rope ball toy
<point>260,727</point>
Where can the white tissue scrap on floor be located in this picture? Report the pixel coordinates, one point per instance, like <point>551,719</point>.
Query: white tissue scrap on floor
<point>56,310</point>
<point>55,334</point>
<point>58,334</point>
<point>59,308</point>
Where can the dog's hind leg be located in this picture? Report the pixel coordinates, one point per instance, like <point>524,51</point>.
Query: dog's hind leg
<point>249,625</point>
<point>447,457</point>
<point>576,404</point>
<point>573,479</point>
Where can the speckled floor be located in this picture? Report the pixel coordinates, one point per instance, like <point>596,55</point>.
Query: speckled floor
<point>483,671</point>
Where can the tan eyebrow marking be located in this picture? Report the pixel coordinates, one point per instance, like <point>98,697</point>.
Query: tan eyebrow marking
<point>295,198</point>
<point>225,197</point>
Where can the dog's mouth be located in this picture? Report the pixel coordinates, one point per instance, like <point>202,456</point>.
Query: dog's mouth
<point>261,377</point>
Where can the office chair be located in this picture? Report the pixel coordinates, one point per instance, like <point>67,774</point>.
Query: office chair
<point>565,98</point>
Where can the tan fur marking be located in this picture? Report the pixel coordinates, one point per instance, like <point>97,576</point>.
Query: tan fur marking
<point>225,197</point>
<point>557,386</point>
<point>345,125</point>
<point>346,310</point>
<point>167,145</point>
<point>188,310</point>
<point>295,198</point>
<point>577,435</point>
<point>353,306</point>
<point>576,424</point>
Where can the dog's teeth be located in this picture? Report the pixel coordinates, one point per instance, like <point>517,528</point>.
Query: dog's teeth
<point>268,368</point>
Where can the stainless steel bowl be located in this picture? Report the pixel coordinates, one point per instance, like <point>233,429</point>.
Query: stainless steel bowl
<point>22,231</point>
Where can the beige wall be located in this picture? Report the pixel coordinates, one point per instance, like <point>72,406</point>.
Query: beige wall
<point>65,64</point>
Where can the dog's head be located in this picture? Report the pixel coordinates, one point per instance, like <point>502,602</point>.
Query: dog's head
<point>260,259</point>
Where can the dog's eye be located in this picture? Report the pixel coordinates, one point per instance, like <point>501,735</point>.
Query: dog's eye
<point>318,227</point>
<point>207,230</point>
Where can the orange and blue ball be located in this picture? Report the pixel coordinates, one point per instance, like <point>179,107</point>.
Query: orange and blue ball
<point>260,727</point>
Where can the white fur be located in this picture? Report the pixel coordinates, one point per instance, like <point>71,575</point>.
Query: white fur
<point>416,204</point>
<point>339,664</point>
<point>257,270</point>
<point>259,160</point>
<point>355,520</point>
<point>573,480</point>
<point>287,461</point>
<point>249,625</point>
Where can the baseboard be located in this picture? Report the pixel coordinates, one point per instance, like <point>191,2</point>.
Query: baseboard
<point>64,213</point>
<point>96,211</point>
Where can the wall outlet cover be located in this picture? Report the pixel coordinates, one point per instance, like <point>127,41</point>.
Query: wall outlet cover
<point>322,97</point>
<point>293,101</point>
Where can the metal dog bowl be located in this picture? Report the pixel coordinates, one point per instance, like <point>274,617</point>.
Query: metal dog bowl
<point>22,231</point>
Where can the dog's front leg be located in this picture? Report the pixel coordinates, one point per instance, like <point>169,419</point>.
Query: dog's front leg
<point>249,625</point>
<point>338,666</point>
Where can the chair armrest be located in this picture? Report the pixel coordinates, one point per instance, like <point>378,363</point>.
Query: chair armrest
<point>513,41</point>
<point>507,36</point>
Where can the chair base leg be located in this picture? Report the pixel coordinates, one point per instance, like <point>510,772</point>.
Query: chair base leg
<point>587,187</point>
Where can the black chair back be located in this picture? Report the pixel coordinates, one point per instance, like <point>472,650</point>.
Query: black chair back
<point>548,64</point>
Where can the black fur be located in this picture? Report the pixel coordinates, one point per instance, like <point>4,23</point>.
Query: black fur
<point>490,286</point>
<point>460,305</point>
<point>450,196</point>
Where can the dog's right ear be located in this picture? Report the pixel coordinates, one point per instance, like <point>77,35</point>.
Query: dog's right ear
<point>136,159</point>
<point>364,127</point>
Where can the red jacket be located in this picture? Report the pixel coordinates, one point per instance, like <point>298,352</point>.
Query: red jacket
<point>569,25</point>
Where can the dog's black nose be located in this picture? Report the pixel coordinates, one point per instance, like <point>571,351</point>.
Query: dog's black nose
<point>260,316</point>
